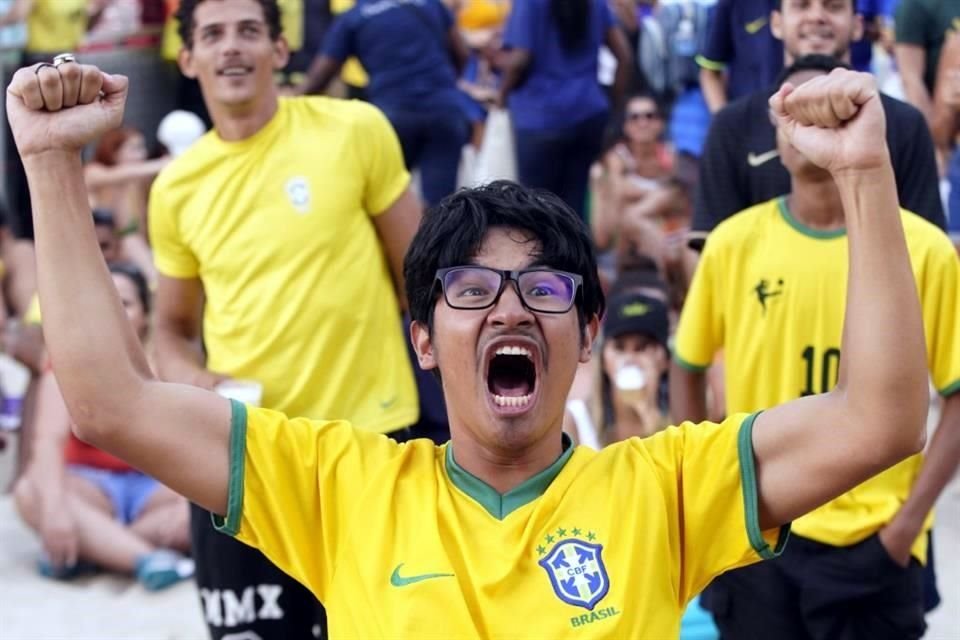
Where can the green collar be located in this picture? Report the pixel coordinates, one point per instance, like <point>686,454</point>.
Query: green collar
<point>501,505</point>
<point>816,234</point>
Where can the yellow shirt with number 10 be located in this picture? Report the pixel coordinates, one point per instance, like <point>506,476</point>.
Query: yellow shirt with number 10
<point>772,293</point>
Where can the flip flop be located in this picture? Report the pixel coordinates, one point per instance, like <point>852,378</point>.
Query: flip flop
<point>163,568</point>
<point>48,570</point>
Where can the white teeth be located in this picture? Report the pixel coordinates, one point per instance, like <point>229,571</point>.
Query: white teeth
<point>234,71</point>
<point>512,401</point>
<point>514,351</point>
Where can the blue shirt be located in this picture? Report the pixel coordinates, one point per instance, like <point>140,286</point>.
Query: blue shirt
<point>402,44</point>
<point>739,40</point>
<point>561,88</point>
<point>861,51</point>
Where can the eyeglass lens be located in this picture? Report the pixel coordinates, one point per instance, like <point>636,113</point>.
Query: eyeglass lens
<point>477,288</point>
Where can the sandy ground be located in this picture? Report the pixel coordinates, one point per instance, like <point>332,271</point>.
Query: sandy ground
<point>107,608</point>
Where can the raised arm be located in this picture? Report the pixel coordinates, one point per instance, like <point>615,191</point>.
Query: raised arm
<point>813,449</point>
<point>178,434</point>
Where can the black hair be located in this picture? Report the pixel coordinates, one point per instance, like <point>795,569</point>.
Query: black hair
<point>614,133</point>
<point>103,218</point>
<point>573,19</point>
<point>185,24</point>
<point>812,62</point>
<point>453,230</point>
<point>131,271</point>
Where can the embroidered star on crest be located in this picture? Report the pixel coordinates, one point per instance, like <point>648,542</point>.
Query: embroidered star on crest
<point>591,536</point>
<point>540,550</point>
<point>576,531</point>
<point>549,538</point>
<point>561,532</point>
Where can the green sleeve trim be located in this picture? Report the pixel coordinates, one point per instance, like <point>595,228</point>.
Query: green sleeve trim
<point>950,389</point>
<point>238,441</point>
<point>751,502</point>
<point>689,366</point>
<point>712,65</point>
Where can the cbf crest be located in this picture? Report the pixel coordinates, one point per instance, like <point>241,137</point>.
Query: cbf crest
<point>576,570</point>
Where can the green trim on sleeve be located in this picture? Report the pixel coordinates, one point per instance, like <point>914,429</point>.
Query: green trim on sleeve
<point>707,63</point>
<point>950,389</point>
<point>238,450</point>
<point>689,366</point>
<point>751,502</point>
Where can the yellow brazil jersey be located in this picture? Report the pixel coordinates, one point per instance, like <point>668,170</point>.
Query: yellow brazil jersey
<point>399,541</point>
<point>772,293</point>
<point>56,25</point>
<point>279,227</point>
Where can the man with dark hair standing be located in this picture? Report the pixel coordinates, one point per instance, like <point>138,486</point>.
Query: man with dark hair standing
<point>304,196</point>
<point>467,539</point>
<point>740,165</point>
<point>769,291</point>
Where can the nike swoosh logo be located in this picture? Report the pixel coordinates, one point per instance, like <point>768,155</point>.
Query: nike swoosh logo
<point>400,581</point>
<point>386,404</point>
<point>757,159</point>
<point>755,25</point>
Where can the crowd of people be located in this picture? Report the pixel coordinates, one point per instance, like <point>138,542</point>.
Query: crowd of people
<point>266,248</point>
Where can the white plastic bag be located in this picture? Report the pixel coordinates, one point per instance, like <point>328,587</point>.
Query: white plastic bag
<point>497,158</point>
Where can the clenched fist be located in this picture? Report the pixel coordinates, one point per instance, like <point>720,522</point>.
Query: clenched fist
<point>63,108</point>
<point>836,121</point>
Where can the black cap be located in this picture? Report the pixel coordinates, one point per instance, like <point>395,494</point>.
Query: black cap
<point>637,313</point>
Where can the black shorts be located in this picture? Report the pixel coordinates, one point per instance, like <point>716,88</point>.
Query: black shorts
<point>244,595</point>
<point>821,592</point>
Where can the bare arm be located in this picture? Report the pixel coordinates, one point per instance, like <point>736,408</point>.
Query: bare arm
<point>939,467</point>
<point>17,12</point>
<point>459,52</point>
<point>911,60</point>
<point>811,450</point>
<point>396,227</point>
<point>178,335</point>
<point>97,175</point>
<point>714,88</point>
<point>52,427</point>
<point>946,103</point>
<point>616,41</point>
<point>688,394</point>
<point>514,63</point>
<point>176,433</point>
<point>322,70</point>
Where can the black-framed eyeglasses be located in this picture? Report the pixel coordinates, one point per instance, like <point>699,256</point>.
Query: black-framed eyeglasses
<point>542,290</point>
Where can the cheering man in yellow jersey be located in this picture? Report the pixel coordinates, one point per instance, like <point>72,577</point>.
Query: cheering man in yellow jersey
<point>507,531</point>
<point>770,290</point>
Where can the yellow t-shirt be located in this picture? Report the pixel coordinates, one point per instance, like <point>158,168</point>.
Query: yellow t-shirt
<point>56,25</point>
<point>399,541</point>
<point>352,72</point>
<point>279,227</point>
<point>772,293</point>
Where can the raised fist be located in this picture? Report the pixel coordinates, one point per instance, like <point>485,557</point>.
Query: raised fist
<point>835,120</point>
<point>63,108</point>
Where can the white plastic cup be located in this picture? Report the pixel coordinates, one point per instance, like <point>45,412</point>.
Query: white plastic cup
<point>245,391</point>
<point>14,380</point>
<point>630,382</point>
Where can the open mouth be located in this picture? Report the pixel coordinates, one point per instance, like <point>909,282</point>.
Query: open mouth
<point>235,71</point>
<point>512,377</point>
